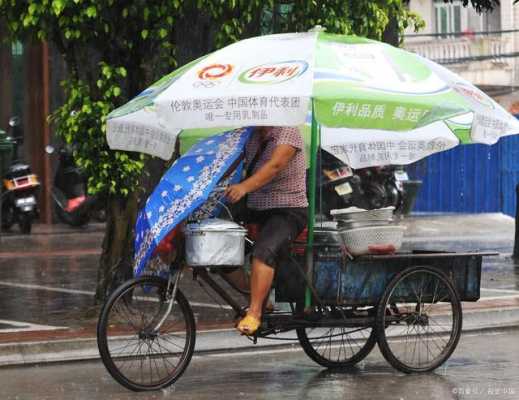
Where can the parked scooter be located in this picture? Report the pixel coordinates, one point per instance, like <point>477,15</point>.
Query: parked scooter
<point>383,186</point>
<point>339,187</point>
<point>72,204</point>
<point>19,188</point>
<point>368,188</point>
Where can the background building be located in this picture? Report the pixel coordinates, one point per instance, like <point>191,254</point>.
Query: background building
<point>484,49</point>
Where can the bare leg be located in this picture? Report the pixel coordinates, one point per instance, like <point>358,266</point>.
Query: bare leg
<point>261,281</point>
<point>239,279</point>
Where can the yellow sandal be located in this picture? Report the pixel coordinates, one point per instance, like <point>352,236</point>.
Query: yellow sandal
<point>248,325</point>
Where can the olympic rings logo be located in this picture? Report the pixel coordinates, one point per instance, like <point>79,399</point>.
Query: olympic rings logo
<point>205,84</point>
<point>215,71</point>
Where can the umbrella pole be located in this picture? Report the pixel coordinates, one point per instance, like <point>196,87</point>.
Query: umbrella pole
<point>311,207</point>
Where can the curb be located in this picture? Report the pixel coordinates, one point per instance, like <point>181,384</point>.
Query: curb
<point>214,341</point>
<point>55,229</point>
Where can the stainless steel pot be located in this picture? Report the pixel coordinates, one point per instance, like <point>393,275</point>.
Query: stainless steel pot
<point>215,242</point>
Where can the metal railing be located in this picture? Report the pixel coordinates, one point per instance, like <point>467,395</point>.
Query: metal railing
<point>461,47</point>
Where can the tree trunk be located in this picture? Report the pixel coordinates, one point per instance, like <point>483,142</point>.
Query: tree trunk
<point>116,261</point>
<point>199,28</point>
<point>390,34</point>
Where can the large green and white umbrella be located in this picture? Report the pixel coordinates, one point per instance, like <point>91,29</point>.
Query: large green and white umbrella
<point>375,104</point>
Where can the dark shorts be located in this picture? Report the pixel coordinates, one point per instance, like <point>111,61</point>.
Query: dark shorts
<point>278,228</point>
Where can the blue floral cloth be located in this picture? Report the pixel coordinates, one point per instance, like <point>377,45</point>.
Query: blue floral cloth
<point>186,189</point>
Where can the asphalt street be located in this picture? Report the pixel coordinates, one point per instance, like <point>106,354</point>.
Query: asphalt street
<point>484,366</point>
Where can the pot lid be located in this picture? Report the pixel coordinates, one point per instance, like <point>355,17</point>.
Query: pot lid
<point>215,224</point>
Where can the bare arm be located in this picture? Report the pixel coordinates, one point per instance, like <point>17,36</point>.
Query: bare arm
<point>281,156</point>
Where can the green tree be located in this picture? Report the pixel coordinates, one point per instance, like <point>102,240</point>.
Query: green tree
<point>114,49</point>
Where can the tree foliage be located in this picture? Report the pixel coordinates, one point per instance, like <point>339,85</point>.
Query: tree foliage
<point>81,122</point>
<point>114,49</point>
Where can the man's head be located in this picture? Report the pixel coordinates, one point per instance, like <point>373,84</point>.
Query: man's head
<point>264,130</point>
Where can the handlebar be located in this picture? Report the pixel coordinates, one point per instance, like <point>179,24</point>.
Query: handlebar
<point>220,189</point>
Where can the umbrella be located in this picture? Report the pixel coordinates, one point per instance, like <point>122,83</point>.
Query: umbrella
<point>376,104</point>
<point>365,102</point>
<point>187,188</point>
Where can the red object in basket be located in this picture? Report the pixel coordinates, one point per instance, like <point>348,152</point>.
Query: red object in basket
<point>381,249</point>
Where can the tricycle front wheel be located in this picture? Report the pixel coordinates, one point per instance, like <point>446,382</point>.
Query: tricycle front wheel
<point>419,320</point>
<point>142,345</point>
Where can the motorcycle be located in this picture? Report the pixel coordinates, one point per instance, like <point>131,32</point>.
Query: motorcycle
<point>369,188</point>
<point>72,204</point>
<point>19,186</point>
<point>383,186</point>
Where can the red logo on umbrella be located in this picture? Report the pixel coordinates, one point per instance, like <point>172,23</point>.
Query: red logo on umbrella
<point>215,71</point>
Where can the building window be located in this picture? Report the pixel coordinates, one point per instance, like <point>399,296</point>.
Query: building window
<point>17,49</point>
<point>274,19</point>
<point>448,16</point>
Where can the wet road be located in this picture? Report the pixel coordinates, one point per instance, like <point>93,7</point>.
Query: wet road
<point>50,280</point>
<point>484,366</point>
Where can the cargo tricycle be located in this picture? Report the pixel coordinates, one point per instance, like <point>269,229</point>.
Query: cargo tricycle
<point>364,102</point>
<point>338,306</point>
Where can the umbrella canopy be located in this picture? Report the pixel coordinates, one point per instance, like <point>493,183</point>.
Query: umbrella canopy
<point>187,188</point>
<point>376,104</point>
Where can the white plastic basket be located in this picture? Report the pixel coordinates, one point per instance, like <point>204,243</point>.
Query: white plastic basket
<point>358,240</point>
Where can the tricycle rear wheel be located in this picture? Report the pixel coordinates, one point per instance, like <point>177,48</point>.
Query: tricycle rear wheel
<point>336,346</point>
<point>423,325</point>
